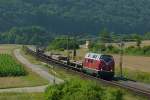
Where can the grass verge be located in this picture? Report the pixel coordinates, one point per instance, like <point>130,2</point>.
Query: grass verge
<point>21,96</point>
<point>137,75</point>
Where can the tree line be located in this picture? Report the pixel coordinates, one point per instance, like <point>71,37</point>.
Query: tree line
<point>84,16</point>
<point>63,43</point>
<point>26,35</point>
<point>110,43</point>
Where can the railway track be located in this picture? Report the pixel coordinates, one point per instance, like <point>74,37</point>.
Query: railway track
<point>51,61</point>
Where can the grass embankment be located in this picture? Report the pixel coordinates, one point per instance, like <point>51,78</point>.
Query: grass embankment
<point>29,80</point>
<point>136,75</point>
<point>29,57</point>
<point>21,96</point>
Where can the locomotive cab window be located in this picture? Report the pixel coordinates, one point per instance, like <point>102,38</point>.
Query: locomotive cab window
<point>94,56</point>
<point>106,58</point>
<point>89,55</point>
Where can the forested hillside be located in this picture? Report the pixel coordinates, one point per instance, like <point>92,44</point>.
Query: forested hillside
<point>88,16</point>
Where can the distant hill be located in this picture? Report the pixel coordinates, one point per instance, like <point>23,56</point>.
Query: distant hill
<point>85,16</point>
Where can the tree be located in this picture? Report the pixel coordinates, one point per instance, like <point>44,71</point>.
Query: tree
<point>147,36</point>
<point>105,36</point>
<point>138,39</point>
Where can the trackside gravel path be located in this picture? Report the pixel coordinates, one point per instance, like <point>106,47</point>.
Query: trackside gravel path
<point>35,68</point>
<point>37,89</point>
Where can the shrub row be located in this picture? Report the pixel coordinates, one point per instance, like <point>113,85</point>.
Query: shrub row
<point>145,51</point>
<point>132,50</point>
<point>82,90</point>
<point>96,47</point>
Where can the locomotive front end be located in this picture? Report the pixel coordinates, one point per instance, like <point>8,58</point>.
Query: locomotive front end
<point>100,65</point>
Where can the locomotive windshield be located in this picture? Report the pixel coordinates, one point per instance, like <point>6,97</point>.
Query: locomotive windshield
<point>106,58</point>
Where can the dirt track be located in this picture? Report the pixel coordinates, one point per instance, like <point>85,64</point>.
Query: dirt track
<point>134,62</point>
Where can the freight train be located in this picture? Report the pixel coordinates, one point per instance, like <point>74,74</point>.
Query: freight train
<point>99,65</point>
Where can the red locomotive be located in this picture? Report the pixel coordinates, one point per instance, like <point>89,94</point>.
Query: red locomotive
<point>99,65</point>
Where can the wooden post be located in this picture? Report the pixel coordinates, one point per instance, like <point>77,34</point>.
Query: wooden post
<point>121,59</point>
<point>74,48</point>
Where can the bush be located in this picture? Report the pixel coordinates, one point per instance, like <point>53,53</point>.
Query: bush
<point>96,47</point>
<point>9,67</point>
<point>53,93</point>
<point>133,50</point>
<point>146,50</point>
<point>113,94</point>
<point>77,89</point>
<point>112,49</point>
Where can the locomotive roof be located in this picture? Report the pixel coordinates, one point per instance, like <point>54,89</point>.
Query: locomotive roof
<point>94,56</point>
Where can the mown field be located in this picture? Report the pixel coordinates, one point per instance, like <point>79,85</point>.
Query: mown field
<point>11,71</point>
<point>8,48</point>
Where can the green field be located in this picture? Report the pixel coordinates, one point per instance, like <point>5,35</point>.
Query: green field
<point>16,73</point>
<point>9,67</point>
